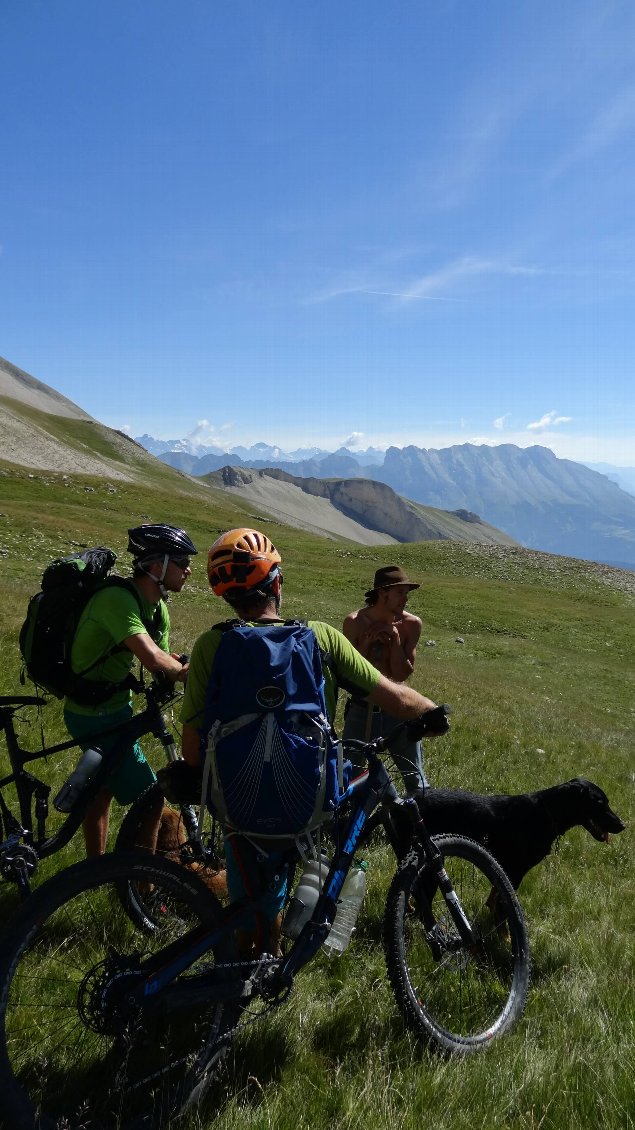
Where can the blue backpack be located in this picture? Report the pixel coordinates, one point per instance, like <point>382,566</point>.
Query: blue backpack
<point>274,764</point>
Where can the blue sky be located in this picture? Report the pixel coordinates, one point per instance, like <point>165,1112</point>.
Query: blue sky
<point>317,223</point>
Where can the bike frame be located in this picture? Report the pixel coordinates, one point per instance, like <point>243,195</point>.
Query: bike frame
<point>26,840</point>
<point>159,972</point>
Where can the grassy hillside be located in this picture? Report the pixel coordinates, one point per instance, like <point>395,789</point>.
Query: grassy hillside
<point>541,689</point>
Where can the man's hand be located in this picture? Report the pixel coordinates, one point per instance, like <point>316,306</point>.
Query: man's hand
<point>184,660</point>
<point>181,783</point>
<point>382,633</point>
<point>430,724</point>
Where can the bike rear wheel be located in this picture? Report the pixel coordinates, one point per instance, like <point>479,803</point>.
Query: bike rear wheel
<point>73,1053</point>
<point>458,996</point>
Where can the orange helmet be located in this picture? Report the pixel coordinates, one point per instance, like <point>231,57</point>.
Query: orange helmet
<point>241,560</point>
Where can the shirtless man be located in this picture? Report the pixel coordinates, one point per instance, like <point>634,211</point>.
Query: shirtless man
<point>384,633</point>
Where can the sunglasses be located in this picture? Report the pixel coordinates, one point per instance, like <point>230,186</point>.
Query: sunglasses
<point>181,562</point>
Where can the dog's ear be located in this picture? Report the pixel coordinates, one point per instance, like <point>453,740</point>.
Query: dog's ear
<point>589,791</point>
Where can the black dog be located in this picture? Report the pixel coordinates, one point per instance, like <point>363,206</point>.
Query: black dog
<point>518,830</point>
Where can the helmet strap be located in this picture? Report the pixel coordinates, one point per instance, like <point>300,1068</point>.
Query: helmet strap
<point>158,580</point>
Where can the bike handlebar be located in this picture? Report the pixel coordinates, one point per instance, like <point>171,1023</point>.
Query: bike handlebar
<point>16,701</point>
<point>430,724</point>
<point>161,690</point>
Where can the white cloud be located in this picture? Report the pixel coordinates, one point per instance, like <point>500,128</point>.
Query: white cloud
<point>500,421</point>
<point>125,428</point>
<point>549,420</point>
<point>354,440</point>
<point>454,273</point>
<point>610,125</point>
<point>408,294</point>
<point>480,441</point>
<point>207,433</point>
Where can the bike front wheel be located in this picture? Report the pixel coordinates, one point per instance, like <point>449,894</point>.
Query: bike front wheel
<point>74,1052</point>
<point>458,994</point>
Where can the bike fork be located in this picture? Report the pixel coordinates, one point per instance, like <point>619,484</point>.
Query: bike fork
<point>434,859</point>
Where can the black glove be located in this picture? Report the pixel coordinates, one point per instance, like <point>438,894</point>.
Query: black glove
<point>181,783</point>
<point>429,724</point>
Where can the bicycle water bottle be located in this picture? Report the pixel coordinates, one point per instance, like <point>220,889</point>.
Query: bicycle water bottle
<point>73,787</point>
<point>350,900</point>
<point>306,894</point>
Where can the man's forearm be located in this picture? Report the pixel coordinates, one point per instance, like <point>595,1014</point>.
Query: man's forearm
<point>399,699</point>
<point>400,666</point>
<point>154,659</point>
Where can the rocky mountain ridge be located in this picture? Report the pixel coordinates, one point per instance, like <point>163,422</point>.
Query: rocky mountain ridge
<point>371,505</point>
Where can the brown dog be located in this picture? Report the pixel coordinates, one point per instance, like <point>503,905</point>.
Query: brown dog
<point>170,840</point>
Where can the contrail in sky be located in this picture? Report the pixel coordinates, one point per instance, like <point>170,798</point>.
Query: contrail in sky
<point>399,294</point>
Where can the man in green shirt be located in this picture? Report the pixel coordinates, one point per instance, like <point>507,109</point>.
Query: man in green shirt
<point>117,626</point>
<point>244,567</point>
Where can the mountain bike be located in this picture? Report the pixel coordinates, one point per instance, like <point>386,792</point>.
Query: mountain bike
<point>133,1022</point>
<point>24,839</point>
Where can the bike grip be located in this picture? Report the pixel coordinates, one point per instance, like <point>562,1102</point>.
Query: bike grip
<point>429,724</point>
<point>162,683</point>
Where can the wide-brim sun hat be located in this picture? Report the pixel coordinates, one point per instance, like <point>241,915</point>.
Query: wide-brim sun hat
<point>390,576</point>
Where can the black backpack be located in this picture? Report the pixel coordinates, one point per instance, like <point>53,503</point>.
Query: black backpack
<point>46,637</point>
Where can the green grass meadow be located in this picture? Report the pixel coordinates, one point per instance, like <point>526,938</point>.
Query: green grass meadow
<point>542,690</point>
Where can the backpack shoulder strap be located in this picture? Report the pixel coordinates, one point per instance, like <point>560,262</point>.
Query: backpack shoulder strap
<point>227,625</point>
<point>325,656</point>
<point>126,583</point>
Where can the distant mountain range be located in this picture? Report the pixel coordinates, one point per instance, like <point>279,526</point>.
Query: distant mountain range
<point>262,453</point>
<point>541,501</point>
<point>46,432</point>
